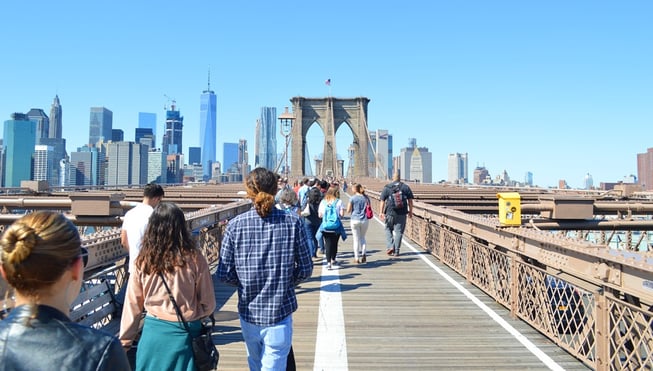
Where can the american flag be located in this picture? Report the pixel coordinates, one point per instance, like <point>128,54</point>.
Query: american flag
<point>328,82</point>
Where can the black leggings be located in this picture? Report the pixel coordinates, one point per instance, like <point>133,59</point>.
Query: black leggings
<point>331,245</point>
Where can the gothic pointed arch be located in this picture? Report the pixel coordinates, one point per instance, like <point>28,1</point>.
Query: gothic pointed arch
<point>329,113</point>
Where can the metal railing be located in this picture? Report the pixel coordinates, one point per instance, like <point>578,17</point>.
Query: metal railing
<point>590,300</point>
<point>106,259</point>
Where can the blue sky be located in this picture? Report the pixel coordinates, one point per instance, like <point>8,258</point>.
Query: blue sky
<point>558,88</point>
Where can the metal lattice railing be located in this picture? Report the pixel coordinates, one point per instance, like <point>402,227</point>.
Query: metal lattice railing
<point>596,316</point>
<point>630,336</point>
<point>107,264</point>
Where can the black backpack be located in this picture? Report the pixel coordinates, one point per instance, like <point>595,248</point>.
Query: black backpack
<point>316,196</point>
<point>397,199</point>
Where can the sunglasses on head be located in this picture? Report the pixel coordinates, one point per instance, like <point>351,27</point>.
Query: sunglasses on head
<point>84,255</point>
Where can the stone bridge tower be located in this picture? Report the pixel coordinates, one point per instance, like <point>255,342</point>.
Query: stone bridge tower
<point>330,113</point>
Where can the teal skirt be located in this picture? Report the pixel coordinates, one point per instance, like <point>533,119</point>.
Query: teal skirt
<point>165,345</point>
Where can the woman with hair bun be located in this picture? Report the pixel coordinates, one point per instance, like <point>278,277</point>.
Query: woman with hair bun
<point>265,253</point>
<point>42,260</point>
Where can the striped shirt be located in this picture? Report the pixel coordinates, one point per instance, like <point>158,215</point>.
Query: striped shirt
<point>265,258</point>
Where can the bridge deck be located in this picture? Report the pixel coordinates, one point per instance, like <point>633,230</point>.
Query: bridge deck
<point>396,313</point>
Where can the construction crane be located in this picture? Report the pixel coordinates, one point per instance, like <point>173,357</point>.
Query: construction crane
<point>172,102</point>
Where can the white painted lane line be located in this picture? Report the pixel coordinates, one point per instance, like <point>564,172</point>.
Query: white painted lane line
<point>548,361</point>
<point>331,344</point>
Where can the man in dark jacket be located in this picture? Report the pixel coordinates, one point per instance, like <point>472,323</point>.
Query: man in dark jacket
<point>394,216</point>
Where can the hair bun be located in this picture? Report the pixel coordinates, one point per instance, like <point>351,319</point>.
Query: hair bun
<point>20,241</point>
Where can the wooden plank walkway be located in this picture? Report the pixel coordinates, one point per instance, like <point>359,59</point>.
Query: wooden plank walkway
<point>398,314</point>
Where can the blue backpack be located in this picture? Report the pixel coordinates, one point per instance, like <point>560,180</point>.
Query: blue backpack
<point>331,220</point>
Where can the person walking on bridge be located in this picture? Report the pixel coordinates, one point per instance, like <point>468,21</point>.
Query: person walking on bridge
<point>359,222</point>
<point>331,211</point>
<point>43,261</point>
<point>135,221</point>
<point>396,203</point>
<point>133,228</point>
<point>265,253</point>
<point>170,265</point>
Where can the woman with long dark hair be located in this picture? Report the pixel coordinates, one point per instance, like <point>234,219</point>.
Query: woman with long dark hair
<point>168,253</point>
<point>312,221</point>
<point>265,253</point>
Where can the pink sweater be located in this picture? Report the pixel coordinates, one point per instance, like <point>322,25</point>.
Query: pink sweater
<point>191,286</point>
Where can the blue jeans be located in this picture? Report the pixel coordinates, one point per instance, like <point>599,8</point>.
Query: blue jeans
<point>394,231</point>
<point>311,238</point>
<point>267,346</point>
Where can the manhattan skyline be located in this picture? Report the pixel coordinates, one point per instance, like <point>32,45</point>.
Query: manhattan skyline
<point>558,89</point>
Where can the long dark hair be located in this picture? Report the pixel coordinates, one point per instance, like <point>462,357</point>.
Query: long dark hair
<point>167,242</point>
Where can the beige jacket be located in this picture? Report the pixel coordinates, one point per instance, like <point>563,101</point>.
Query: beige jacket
<point>191,286</point>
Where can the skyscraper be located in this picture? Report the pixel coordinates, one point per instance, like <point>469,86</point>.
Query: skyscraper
<point>87,166</point>
<point>267,138</point>
<point>147,120</point>
<point>383,156</point>
<point>416,166</point>
<point>208,104</point>
<point>457,172</point>
<point>172,139</point>
<point>46,166</point>
<point>243,157</point>
<point>405,159</point>
<point>645,169</point>
<point>56,119</point>
<point>82,167</point>
<point>57,150</point>
<point>42,122</point>
<point>144,136</point>
<point>19,138</point>
<point>117,135</point>
<point>100,126</point>
<point>482,175</point>
<point>174,173</point>
<point>194,155</point>
<point>230,158</point>
<point>127,163</point>
<point>589,181</point>
<point>426,157</point>
<point>156,166</point>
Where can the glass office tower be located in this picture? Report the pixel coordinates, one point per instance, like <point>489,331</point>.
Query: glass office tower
<point>267,140</point>
<point>19,139</point>
<point>230,158</point>
<point>147,120</point>
<point>172,139</point>
<point>42,122</point>
<point>208,104</point>
<point>100,125</point>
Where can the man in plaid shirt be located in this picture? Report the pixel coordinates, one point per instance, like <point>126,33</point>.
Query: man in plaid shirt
<point>265,253</point>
